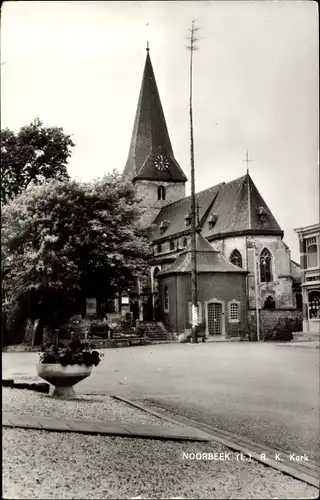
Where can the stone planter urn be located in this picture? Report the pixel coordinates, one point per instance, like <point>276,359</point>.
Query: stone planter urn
<point>63,377</point>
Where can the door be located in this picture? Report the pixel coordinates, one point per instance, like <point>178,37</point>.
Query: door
<point>214,318</point>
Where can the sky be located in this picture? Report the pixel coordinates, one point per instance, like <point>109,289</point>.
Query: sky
<point>79,65</point>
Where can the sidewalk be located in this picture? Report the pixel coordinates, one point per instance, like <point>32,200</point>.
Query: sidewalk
<point>132,451</point>
<point>309,344</point>
<point>102,427</point>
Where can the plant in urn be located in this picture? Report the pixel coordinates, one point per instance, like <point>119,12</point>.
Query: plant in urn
<point>64,366</point>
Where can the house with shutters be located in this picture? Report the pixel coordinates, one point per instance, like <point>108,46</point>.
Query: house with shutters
<point>242,260</point>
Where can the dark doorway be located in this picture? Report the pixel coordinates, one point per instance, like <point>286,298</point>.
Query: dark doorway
<point>134,308</point>
<point>299,301</point>
<point>148,309</point>
<point>38,334</point>
<point>269,303</point>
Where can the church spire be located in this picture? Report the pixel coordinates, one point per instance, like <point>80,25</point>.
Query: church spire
<point>151,155</point>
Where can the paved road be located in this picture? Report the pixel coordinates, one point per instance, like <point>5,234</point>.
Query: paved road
<point>262,391</point>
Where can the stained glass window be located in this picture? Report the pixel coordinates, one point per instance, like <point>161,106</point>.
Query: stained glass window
<point>265,266</point>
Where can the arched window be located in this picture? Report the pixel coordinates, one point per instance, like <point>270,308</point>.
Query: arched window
<point>161,193</point>
<point>265,266</point>
<point>166,299</point>
<point>185,242</point>
<point>236,258</point>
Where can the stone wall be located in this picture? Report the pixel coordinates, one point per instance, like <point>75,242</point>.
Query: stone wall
<point>272,321</point>
<point>148,192</point>
<point>281,288</point>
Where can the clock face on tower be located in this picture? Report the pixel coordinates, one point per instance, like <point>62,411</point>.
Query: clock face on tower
<point>161,162</point>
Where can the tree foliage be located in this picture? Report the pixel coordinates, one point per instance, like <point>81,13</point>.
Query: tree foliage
<point>36,153</point>
<point>64,240</point>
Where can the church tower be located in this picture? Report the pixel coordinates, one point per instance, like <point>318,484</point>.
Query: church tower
<point>151,163</point>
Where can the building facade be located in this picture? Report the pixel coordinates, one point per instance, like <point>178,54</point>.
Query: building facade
<point>222,306</point>
<point>309,240</point>
<point>232,216</point>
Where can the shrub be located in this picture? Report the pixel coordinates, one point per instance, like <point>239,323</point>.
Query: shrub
<point>75,353</point>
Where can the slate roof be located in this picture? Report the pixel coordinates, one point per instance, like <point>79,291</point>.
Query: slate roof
<point>208,261</point>
<point>229,202</point>
<point>150,135</point>
<point>176,212</point>
<point>232,208</point>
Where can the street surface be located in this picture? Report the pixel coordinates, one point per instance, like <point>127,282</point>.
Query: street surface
<point>262,391</point>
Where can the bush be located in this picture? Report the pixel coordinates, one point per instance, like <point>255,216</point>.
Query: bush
<point>279,334</point>
<point>75,353</point>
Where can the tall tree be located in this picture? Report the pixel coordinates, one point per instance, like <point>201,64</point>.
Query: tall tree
<point>65,240</point>
<point>36,153</point>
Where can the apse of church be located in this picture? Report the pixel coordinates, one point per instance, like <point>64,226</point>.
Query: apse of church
<point>275,280</point>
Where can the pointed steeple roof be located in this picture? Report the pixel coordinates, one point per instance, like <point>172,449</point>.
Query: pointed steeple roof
<point>150,136</point>
<point>208,260</point>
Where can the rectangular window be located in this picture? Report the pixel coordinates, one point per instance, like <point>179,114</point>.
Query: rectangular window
<point>234,312</point>
<point>184,242</point>
<point>312,252</point>
<point>171,245</point>
<point>199,309</point>
<point>159,247</point>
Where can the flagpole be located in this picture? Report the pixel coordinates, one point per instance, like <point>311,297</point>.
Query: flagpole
<point>255,263</point>
<point>194,284</point>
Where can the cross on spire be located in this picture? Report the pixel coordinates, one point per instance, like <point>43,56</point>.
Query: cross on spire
<point>247,161</point>
<point>148,48</point>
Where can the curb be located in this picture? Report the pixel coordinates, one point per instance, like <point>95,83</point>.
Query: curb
<point>301,346</point>
<point>34,386</point>
<point>308,472</point>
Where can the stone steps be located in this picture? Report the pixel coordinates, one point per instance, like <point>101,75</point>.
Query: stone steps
<point>155,331</point>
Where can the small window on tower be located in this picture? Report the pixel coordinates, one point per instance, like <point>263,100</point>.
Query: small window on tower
<point>185,242</point>
<point>171,245</point>
<point>159,248</point>
<point>161,193</point>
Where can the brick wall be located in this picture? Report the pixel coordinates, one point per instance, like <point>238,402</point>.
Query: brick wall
<point>290,320</point>
<point>220,286</point>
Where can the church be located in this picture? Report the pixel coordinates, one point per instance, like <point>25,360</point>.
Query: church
<point>243,263</point>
